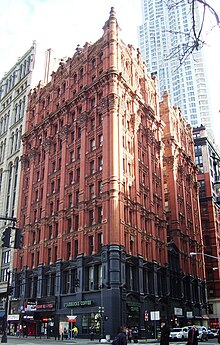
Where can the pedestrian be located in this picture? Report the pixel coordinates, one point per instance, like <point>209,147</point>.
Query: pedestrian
<point>91,333</point>
<point>193,336</point>
<point>75,332</point>
<point>135,334</point>
<point>25,333</point>
<point>165,334</point>
<point>218,335</point>
<point>65,333</point>
<point>129,334</point>
<point>121,338</point>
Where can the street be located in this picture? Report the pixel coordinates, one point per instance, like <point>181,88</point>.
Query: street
<point>33,341</point>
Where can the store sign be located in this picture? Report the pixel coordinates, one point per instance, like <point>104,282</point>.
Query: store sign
<point>178,311</point>
<point>133,306</point>
<point>77,303</point>
<point>14,317</point>
<point>189,315</point>
<point>30,307</point>
<point>45,306</point>
<point>155,315</point>
<point>28,317</point>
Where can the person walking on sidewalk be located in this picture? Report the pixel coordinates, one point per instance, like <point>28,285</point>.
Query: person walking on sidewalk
<point>193,336</point>
<point>75,332</point>
<point>165,334</point>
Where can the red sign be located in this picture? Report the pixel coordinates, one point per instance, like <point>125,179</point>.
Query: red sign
<point>71,318</point>
<point>146,316</point>
<point>45,306</point>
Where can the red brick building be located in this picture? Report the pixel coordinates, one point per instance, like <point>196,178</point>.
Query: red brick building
<point>92,207</point>
<point>207,157</point>
<point>183,215</point>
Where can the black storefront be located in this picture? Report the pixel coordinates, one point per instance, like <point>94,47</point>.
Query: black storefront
<point>35,317</point>
<point>106,291</point>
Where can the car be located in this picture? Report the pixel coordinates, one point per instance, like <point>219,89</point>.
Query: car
<point>179,333</point>
<point>203,333</point>
<point>210,334</point>
<point>214,332</point>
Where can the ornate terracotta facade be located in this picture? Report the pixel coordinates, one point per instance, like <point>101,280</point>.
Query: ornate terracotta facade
<point>92,205</point>
<point>183,212</point>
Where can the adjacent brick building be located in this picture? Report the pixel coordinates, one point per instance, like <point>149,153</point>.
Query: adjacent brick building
<point>183,216</point>
<point>92,205</point>
<point>207,156</point>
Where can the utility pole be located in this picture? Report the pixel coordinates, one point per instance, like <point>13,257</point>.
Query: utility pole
<point>5,318</point>
<point>8,291</point>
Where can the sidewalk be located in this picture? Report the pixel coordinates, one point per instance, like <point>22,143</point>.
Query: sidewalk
<point>78,341</point>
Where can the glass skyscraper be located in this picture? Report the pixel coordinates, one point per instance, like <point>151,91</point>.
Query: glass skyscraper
<point>163,37</point>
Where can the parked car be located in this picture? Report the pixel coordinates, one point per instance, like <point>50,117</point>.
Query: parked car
<point>210,334</point>
<point>215,332</point>
<point>203,333</point>
<point>179,333</point>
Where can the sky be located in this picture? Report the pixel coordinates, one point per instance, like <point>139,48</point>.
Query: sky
<point>63,24</point>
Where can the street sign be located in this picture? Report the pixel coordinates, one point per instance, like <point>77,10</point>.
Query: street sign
<point>71,318</point>
<point>154,315</point>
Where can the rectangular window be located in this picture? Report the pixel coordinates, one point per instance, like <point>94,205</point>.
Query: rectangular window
<point>91,245</point>
<point>92,191</point>
<point>70,177</point>
<point>91,278</point>
<point>76,248</point>
<point>91,217</point>
<point>92,145</point>
<point>99,214</point>
<point>6,257</point>
<point>78,152</point>
<point>49,256</point>
<point>68,250</point>
<point>72,157</point>
<point>76,223</point>
<point>78,174</point>
<point>92,167</point>
<point>100,139</point>
<point>100,163</point>
<point>99,242</point>
<point>50,231</point>
<point>99,188</point>
<point>77,197</point>
<point>70,200</point>
<point>92,124</point>
<point>69,224</point>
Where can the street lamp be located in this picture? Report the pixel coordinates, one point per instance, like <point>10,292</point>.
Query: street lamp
<point>208,255</point>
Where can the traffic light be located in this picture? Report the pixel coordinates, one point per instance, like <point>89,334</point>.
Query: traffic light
<point>76,282</point>
<point>10,290</point>
<point>6,237</point>
<point>18,239</point>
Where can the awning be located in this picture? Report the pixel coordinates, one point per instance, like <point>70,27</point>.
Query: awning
<point>2,313</point>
